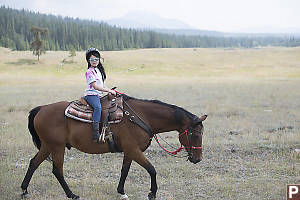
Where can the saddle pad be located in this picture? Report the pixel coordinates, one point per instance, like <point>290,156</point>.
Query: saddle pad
<point>77,110</point>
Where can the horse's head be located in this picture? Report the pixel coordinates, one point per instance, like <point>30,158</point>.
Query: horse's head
<point>191,139</point>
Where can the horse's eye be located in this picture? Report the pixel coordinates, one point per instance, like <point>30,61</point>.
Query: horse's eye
<point>195,135</point>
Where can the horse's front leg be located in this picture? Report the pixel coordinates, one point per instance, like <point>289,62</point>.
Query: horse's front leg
<point>124,172</point>
<point>140,158</point>
<point>151,170</point>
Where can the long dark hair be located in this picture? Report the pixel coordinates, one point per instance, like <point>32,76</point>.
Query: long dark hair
<point>99,66</point>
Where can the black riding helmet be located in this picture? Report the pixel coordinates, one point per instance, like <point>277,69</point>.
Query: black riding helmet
<point>90,51</point>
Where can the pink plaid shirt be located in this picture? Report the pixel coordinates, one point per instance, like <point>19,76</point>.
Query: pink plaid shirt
<point>93,75</point>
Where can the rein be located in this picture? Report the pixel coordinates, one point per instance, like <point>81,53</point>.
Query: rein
<point>174,153</point>
<point>139,122</point>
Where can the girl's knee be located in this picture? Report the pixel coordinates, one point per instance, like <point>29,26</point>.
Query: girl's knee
<point>97,107</point>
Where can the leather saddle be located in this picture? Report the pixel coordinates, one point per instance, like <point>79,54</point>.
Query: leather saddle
<point>111,109</point>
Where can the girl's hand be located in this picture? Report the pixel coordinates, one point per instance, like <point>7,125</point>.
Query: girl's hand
<point>112,92</point>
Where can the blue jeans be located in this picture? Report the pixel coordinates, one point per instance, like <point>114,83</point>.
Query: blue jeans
<point>94,101</point>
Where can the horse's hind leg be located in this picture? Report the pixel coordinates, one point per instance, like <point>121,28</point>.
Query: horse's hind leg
<point>33,165</point>
<point>58,160</point>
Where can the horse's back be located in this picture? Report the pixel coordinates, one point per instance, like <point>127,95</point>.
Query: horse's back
<point>54,110</point>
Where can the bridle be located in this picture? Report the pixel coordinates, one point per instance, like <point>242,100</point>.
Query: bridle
<point>188,134</point>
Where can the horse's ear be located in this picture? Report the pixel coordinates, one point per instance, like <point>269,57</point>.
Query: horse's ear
<point>199,120</point>
<point>203,117</point>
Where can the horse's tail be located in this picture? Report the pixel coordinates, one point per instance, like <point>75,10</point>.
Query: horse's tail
<point>35,137</point>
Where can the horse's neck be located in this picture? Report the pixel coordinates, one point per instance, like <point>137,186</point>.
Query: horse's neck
<point>161,118</point>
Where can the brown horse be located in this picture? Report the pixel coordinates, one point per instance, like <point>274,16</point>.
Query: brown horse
<point>52,131</point>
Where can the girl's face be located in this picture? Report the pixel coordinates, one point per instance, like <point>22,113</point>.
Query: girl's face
<point>94,61</point>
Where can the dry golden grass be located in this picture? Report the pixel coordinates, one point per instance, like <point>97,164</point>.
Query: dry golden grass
<point>251,97</point>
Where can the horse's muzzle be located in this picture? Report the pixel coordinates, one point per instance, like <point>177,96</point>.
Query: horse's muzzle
<point>195,161</point>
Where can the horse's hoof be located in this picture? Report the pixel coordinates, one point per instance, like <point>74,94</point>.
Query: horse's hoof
<point>151,196</point>
<point>75,197</point>
<point>24,195</point>
<point>124,197</point>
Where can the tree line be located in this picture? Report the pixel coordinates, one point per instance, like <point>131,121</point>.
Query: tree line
<point>64,33</point>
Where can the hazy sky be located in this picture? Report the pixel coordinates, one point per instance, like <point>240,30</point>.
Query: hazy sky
<point>220,15</point>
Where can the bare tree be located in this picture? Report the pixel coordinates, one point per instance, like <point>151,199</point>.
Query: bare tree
<point>37,44</point>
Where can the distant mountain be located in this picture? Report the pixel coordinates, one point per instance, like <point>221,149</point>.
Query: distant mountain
<point>196,32</point>
<point>191,32</point>
<point>150,21</point>
<point>270,30</point>
<point>147,20</point>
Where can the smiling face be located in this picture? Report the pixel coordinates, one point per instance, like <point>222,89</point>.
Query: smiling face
<point>94,61</point>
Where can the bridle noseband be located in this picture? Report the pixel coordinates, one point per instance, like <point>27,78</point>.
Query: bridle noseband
<point>188,135</point>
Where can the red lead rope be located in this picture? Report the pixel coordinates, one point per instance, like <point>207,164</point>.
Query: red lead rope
<point>118,92</point>
<point>170,152</point>
<point>180,148</point>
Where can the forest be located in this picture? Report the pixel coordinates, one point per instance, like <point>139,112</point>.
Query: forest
<point>65,33</point>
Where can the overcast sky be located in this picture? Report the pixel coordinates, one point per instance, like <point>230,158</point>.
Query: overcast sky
<point>220,15</point>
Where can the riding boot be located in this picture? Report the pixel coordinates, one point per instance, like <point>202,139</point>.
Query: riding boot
<point>100,125</point>
<point>95,131</point>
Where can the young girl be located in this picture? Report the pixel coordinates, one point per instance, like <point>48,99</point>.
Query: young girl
<point>95,77</point>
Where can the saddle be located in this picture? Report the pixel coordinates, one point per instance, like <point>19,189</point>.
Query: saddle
<point>111,113</point>
<point>111,110</point>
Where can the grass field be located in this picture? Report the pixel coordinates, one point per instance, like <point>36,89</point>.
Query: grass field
<point>251,97</point>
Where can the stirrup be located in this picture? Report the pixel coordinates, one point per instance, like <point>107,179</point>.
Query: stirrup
<point>102,138</point>
<point>102,135</point>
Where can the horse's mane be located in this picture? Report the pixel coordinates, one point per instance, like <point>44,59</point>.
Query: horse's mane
<point>179,112</point>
